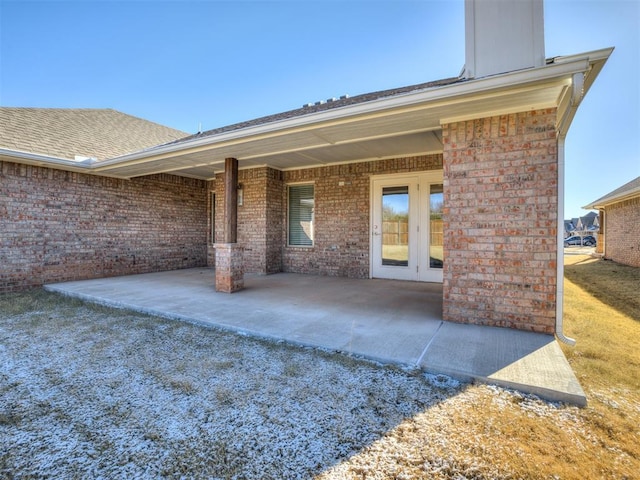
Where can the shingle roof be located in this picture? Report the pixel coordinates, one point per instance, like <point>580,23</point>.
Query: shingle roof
<point>322,106</point>
<point>65,133</point>
<point>628,189</point>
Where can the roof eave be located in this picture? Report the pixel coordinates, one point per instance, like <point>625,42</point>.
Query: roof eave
<point>595,62</point>
<point>48,161</point>
<point>602,203</point>
<point>562,67</point>
<point>564,72</point>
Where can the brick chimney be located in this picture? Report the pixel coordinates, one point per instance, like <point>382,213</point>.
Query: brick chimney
<point>503,36</point>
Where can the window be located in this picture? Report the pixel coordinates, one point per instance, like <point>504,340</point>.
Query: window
<point>301,203</point>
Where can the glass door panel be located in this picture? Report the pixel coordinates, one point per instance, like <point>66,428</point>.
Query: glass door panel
<point>395,226</point>
<point>436,232</point>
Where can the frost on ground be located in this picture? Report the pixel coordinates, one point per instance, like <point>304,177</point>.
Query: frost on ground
<point>89,392</point>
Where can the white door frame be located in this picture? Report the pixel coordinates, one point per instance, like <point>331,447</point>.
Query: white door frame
<point>418,268</point>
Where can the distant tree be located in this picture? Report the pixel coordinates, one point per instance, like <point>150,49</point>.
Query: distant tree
<point>390,215</point>
<point>436,210</point>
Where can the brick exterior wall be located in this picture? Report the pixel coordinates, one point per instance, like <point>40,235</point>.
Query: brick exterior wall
<point>342,215</point>
<point>500,197</point>
<point>259,219</point>
<point>58,226</point>
<point>500,187</point>
<point>622,232</point>
<point>211,208</point>
<point>275,214</point>
<point>341,244</point>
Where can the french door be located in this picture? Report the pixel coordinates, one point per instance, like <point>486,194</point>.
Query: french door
<point>406,227</point>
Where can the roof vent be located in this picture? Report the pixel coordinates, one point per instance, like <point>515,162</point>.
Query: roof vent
<point>322,102</point>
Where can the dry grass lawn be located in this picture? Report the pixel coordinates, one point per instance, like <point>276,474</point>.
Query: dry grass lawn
<point>346,419</point>
<point>524,439</point>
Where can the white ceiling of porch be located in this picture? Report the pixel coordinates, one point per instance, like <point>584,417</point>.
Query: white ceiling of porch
<point>285,155</point>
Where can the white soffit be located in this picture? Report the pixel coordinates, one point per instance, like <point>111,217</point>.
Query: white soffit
<point>399,131</point>
<point>205,164</point>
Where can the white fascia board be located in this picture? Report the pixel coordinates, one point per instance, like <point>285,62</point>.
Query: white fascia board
<point>39,159</point>
<point>593,56</point>
<point>449,93</point>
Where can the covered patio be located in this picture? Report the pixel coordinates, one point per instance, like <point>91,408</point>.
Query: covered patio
<point>389,321</point>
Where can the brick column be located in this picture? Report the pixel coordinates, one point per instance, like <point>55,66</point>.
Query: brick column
<point>501,197</point>
<point>229,267</point>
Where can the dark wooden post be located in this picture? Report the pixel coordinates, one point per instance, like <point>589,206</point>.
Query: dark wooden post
<point>230,200</point>
<point>229,255</point>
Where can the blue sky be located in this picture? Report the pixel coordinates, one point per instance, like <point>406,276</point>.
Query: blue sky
<point>213,63</point>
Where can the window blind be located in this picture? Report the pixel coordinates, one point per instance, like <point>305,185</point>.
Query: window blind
<point>301,203</point>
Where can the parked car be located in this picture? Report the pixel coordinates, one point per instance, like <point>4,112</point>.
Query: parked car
<point>588,241</point>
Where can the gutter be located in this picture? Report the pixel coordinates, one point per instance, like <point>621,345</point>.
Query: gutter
<point>574,99</point>
<point>580,84</point>
<point>578,90</point>
<point>77,166</point>
<point>45,160</point>
<point>560,250</point>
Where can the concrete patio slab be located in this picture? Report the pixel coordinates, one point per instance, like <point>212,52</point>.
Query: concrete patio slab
<point>510,358</point>
<point>383,320</point>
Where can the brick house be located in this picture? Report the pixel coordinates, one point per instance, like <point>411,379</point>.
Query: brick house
<point>588,224</point>
<point>458,181</point>
<point>619,235</point>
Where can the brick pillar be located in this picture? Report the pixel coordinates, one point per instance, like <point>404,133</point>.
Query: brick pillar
<point>501,197</point>
<point>229,267</point>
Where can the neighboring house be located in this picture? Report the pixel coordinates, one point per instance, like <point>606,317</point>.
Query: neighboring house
<point>588,224</point>
<point>569,228</point>
<point>478,159</point>
<point>619,236</point>
<point>582,226</point>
